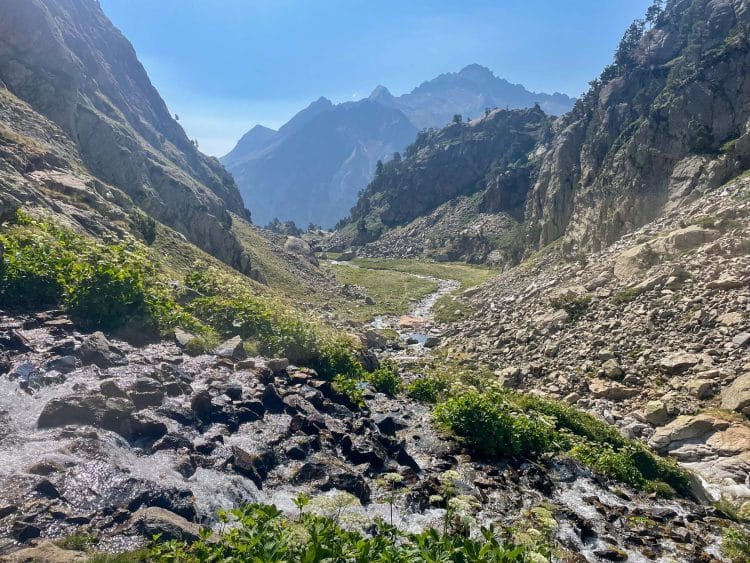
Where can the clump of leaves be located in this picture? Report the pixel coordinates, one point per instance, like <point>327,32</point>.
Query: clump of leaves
<point>736,544</point>
<point>146,226</point>
<point>386,379</point>
<point>263,533</point>
<point>504,423</point>
<point>427,389</point>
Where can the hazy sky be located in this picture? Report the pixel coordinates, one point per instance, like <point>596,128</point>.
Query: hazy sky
<point>225,65</point>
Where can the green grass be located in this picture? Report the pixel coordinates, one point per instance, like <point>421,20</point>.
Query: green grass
<point>467,275</point>
<point>391,291</point>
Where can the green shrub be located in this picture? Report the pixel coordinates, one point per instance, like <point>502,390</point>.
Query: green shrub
<point>736,545</point>
<point>146,226</point>
<point>427,389</point>
<point>505,423</point>
<point>263,534</point>
<point>101,285</point>
<point>386,379</point>
<point>350,389</point>
<point>575,305</point>
<point>489,426</point>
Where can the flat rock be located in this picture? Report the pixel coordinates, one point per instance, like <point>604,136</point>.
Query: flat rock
<point>153,520</point>
<point>678,363</point>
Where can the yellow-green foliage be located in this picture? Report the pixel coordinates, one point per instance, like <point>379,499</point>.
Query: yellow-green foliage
<point>496,423</point>
<point>101,285</point>
<point>263,534</point>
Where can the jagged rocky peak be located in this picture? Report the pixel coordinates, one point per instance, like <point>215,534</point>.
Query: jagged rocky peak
<point>382,95</point>
<point>72,67</point>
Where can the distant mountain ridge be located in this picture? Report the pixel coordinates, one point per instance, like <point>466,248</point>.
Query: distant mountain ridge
<point>312,168</point>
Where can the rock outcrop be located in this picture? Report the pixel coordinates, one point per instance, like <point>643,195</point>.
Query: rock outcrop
<point>80,123</point>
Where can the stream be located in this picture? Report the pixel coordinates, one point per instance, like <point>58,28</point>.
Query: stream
<point>418,324</point>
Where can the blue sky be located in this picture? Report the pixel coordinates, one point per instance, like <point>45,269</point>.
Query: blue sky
<point>225,65</point>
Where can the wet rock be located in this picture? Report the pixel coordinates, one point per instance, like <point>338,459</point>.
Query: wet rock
<point>271,399</point>
<point>170,526</point>
<point>736,397</point>
<point>350,483</point>
<point>65,364</point>
<point>95,349</point>
<point>232,349</point>
<point>363,451</point>
<point>109,388</point>
<point>12,341</point>
<point>172,441</point>
<point>46,489</point>
<point>200,404</point>
<point>388,424</point>
<point>254,465</point>
<point>25,531</point>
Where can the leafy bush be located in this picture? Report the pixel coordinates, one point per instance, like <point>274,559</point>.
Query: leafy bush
<point>232,310</point>
<point>101,285</point>
<point>491,428</point>
<point>504,423</point>
<point>263,533</point>
<point>386,379</point>
<point>427,389</point>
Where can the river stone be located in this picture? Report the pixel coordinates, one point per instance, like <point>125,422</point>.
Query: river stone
<point>153,520</point>
<point>736,397</point>
<point>254,465</point>
<point>95,349</point>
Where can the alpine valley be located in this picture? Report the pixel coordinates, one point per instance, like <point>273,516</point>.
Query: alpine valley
<point>526,339</point>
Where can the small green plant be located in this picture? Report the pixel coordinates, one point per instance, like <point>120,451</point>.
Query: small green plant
<point>626,295</point>
<point>350,389</point>
<point>736,544</point>
<point>427,389</point>
<point>575,305</point>
<point>386,379</point>
<point>263,534</point>
<point>79,541</point>
<point>301,501</point>
<point>391,483</point>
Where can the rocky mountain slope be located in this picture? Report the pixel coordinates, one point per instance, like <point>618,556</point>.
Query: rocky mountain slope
<point>85,134</point>
<point>313,167</point>
<point>665,122</point>
<point>650,334</point>
<point>471,178</point>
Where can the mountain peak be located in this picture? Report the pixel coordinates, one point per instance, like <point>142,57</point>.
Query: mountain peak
<point>476,71</point>
<point>381,94</point>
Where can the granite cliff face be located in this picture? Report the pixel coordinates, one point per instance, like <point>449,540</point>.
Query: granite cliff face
<point>71,88</point>
<point>667,120</point>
